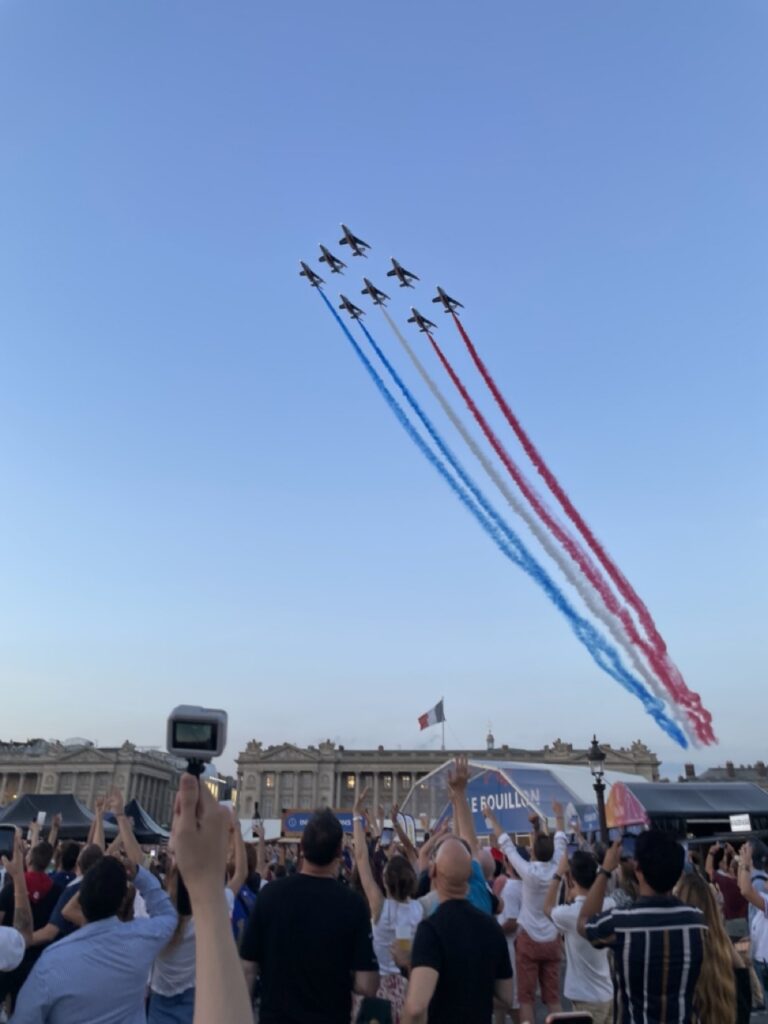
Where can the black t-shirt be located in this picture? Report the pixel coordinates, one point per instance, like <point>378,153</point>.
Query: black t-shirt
<point>308,935</point>
<point>468,950</point>
<point>41,909</point>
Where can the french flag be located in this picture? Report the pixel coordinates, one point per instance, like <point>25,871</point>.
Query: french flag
<point>432,717</point>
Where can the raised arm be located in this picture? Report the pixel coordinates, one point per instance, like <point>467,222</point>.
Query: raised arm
<point>128,839</point>
<point>709,863</point>
<point>408,848</point>
<point>747,890</point>
<point>465,822</point>
<point>97,835</point>
<point>363,860</point>
<point>425,852</point>
<point>593,903</point>
<point>561,840</point>
<point>504,842</point>
<point>22,913</point>
<point>240,873</point>
<point>53,835</point>
<point>554,886</point>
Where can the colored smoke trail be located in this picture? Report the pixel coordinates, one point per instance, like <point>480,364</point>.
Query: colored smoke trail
<point>587,594</point>
<point>681,693</point>
<point>702,728</point>
<point>604,655</point>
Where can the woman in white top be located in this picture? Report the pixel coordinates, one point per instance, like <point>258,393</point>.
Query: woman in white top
<point>395,915</point>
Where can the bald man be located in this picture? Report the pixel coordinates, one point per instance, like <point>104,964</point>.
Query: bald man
<point>460,959</point>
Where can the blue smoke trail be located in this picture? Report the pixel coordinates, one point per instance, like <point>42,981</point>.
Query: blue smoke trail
<point>604,655</point>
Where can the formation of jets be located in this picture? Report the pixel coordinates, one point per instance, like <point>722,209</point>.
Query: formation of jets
<point>405,279</point>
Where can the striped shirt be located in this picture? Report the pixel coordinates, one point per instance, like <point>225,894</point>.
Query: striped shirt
<point>658,946</point>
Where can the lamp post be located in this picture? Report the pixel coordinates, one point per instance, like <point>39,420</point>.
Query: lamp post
<point>597,767</point>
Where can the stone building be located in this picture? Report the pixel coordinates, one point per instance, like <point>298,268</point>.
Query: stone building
<point>87,771</point>
<point>757,773</point>
<point>285,776</point>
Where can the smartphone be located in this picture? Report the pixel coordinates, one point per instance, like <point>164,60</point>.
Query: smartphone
<point>7,839</point>
<point>628,846</point>
<point>41,816</point>
<point>488,823</point>
<point>387,835</point>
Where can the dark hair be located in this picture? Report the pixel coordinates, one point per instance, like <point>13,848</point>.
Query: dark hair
<point>543,847</point>
<point>759,854</point>
<point>400,879</point>
<point>717,858</point>
<point>40,856</point>
<point>103,890</point>
<point>322,838</point>
<point>660,858</point>
<point>583,868</point>
<point>89,855</point>
<point>69,853</point>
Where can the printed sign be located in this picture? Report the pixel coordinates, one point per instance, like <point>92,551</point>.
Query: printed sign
<point>740,823</point>
<point>294,822</point>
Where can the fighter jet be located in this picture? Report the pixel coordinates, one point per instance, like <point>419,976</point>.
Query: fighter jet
<point>356,244</point>
<point>306,271</point>
<point>451,305</point>
<point>377,295</point>
<point>403,276</point>
<point>334,263</point>
<point>423,324</point>
<point>350,308</point>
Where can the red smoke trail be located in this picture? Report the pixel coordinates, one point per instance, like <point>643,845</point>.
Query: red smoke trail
<point>700,718</point>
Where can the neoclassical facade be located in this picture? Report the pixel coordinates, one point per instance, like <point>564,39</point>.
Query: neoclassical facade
<point>87,771</point>
<point>285,776</point>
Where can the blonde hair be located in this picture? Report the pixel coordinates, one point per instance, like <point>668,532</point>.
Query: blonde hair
<point>714,998</point>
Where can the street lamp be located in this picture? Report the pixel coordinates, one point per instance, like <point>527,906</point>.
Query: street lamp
<point>596,759</point>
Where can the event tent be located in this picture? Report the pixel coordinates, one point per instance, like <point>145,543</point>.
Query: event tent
<point>695,809</point>
<point>76,818</point>
<point>145,828</point>
<point>515,789</point>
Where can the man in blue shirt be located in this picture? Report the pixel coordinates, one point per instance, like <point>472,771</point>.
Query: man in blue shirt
<point>99,973</point>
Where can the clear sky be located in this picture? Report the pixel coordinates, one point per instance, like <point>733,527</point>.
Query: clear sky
<point>203,498</point>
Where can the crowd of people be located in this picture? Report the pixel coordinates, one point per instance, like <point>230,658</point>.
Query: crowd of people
<point>378,927</point>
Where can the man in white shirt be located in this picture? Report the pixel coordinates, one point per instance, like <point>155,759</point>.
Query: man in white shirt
<point>588,982</point>
<point>538,949</point>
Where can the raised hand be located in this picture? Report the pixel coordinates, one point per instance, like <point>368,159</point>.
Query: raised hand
<point>115,802</point>
<point>612,858</point>
<point>557,808</point>
<point>359,803</point>
<point>459,777</point>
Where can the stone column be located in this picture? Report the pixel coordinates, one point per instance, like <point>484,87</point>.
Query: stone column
<point>277,795</point>
<point>376,800</point>
<point>3,781</point>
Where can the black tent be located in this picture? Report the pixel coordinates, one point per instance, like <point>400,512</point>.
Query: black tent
<point>76,818</point>
<point>145,828</point>
<point>701,808</point>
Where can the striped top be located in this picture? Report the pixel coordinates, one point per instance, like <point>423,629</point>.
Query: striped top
<point>658,947</point>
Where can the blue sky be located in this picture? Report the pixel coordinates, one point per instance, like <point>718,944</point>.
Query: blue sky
<point>205,500</point>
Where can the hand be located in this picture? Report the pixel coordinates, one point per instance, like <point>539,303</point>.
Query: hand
<point>535,821</point>
<point>99,805</point>
<point>57,820</point>
<point>394,812</point>
<point>496,828</point>
<point>15,866</point>
<point>115,802</point>
<point>380,812</point>
<point>557,809</point>
<point>201,833</point>
<point>612,857</point>
<point>401,958</point>
<point>459,777</point>
<point>359,803</point>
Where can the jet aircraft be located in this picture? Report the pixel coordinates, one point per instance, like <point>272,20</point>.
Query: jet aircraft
<point>334,263</point>
<point>357,245</point>
<point>451,305</point>
<point>403,276</point>
<point>306,271</point>
<point>376,294</point>
<point>350,308</point>
<point>423,324</point>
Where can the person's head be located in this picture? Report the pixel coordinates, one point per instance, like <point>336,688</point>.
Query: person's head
<point>583,869</point>
<point>717,858</point>
<point>543,847</point>
<point>715,994</point>
<point>759,854</point>
<point>40,856</point>
<point>89,855</point>
<point>487,864</point>
<point>69,853</point>
<point>659,860</point>
<point>399,879</point>
<point>322,840</point>
<point>103,891</point>
<point>451,868</point>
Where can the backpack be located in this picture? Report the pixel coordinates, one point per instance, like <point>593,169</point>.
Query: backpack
<point>245,901</point>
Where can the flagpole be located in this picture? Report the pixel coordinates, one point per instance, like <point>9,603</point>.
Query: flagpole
<point>443,723</point>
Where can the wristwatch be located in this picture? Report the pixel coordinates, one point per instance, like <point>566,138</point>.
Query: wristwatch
<point>601,871</point>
